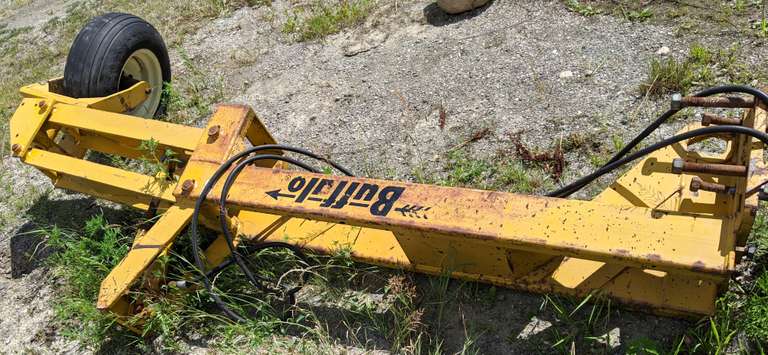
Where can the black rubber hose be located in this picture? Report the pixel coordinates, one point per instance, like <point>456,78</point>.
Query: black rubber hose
<point>762,136</point>
<point>664,117</point>
<point>193,230</point>
<point>758,94</point>
<point>254,279</point>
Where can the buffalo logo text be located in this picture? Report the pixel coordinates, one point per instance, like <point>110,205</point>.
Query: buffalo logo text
<point>377,199</point>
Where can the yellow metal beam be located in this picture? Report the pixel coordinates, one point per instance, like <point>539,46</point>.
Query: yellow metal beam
<point>626,235</point>
<point>141,256</point>
<point>135,129</point>
<point>122,184</point>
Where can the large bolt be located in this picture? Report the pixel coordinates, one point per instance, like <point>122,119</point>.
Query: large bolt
<point>16,148</point>
<point>708,119</point>
<point>679,101</point>
<point>187,186</point>
<point>698,184</point>
<point>42,104</point>
<point>680,166</point>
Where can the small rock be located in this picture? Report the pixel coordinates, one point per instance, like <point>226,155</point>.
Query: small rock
<point>664,50</point>
<point>565,74</point>
<point>534,327</point>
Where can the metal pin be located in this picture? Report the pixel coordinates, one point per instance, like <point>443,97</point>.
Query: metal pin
<point>698,184</point>
<point>680,166</point>
<point>679,102</point>
<point>710,119</point>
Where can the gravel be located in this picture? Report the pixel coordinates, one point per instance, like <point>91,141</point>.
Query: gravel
<point>370,99</point>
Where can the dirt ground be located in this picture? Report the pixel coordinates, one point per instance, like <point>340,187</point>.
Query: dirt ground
<point>370,99</point>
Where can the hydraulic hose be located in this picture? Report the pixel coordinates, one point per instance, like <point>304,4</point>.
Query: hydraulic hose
<point>758,94</point>
<point>194,232</point>
<point>572,187</point>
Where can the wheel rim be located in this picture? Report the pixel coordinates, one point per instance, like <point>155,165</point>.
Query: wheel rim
<point>143,65</point>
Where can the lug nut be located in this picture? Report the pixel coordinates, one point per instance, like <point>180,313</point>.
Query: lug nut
<point>680,166</point>
<point>187,186</point>
<point>698,184</point>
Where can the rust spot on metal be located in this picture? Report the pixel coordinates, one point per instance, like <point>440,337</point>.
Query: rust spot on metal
<point>214,131</point>
<point>699,184</point>
<point>709,119</point>
<point>718,101</point>
<point>680,166</point>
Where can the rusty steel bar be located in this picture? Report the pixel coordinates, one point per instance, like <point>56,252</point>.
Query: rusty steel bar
<point>699,184</point>
<point>680,102</point>
<point>680,166</point>
<point>710,119</point>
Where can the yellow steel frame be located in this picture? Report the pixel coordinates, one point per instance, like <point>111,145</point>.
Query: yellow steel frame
<point>647,241</point>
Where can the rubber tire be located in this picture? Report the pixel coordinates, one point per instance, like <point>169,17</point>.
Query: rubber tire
<point>96,58</point>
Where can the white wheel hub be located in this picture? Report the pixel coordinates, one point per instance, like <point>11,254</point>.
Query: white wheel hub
<point>143,65</point>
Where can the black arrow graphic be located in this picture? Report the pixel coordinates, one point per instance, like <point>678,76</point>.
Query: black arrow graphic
<point>276,194</point>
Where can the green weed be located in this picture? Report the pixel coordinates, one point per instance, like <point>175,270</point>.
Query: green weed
<point>582,9</point>
<point>323,18</point>
<point>639,15</point>
<point>667,75</point>
<point>82,260</point>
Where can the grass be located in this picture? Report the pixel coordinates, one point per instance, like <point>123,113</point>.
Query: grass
<point>667,75</point>
<point>413,316</point>
<point>323,17</point>
<point>30,56</point>
<point>512,175</point>
<point>582,9</point>
<point>702,67</point>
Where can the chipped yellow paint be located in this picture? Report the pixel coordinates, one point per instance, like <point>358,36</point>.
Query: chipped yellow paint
<point>647,241</point>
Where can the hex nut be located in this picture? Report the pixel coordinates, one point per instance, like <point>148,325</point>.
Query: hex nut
<point>677,101</point>
<point>187,186</point>
<point>677,166</point>
<point>695,184</point>
<point>706,120</point>
<point>16,148</point>
<point>214,131</point>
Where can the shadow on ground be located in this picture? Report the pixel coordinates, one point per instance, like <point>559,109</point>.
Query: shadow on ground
<point>437,17</point>
<point>27,246</point>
